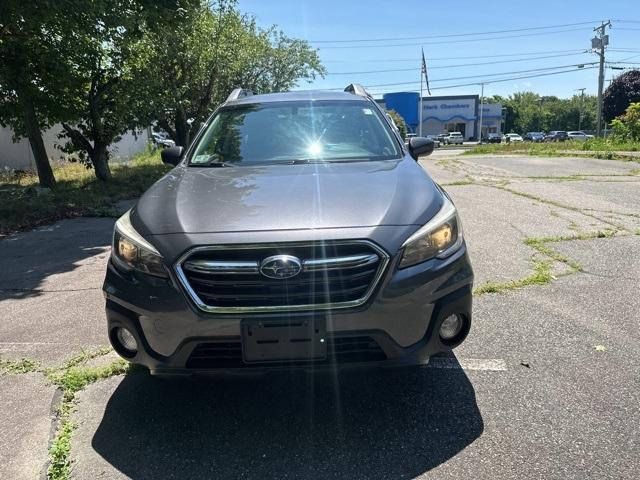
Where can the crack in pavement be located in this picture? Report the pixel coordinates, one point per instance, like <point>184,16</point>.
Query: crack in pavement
<point>611,277</point>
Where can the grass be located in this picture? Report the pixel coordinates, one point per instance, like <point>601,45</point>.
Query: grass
<point>540,246</point>
<point>609,144</point>
<point>597,147</point>
<point>541,275</point>
<point>77,193</point>
<point>458,183</point>
<point>24,365</point>
<point>606,233</point>
<point>71,378</point>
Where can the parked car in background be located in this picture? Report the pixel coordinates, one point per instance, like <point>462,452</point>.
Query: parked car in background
<point>535,137</point>
<point>454,138</point>
<point>578,135</point>
<point>494,138</point>
<point>556,136</point>
<point>266,249</point>
<point>408,137</point>
<point>512,137</point>
<point>442,137</point>
<point>162,140</point>
<point>434,139</point>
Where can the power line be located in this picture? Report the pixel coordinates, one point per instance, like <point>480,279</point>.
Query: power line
<point>458,65</point>
<point>431,59</point>
<point>622,60</point>
<point>452,41</point>
<point>476,82</point>
<point>499,80</point>
<point>437,80</point>
<point>451,35</point>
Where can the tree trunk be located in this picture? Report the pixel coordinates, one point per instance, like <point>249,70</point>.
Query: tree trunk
<point>100,160</point>
<point>182,129</point>
<point>45,174</point>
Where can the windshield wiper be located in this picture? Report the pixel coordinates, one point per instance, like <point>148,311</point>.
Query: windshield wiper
<point>293,161</point>
<point>212,161</point>
<point>213,164</point>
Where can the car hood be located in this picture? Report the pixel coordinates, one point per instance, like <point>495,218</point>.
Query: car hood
<point>287,197</point>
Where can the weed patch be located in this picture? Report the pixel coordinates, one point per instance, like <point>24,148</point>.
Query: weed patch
<point>24,365</point>
<point>77,193</point>
<point>72,377</point>
<point>458,183</point>
<point>541,275</point>
<point>595,148</point>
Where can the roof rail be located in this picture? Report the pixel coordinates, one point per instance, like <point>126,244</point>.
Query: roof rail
<point>238,93</point>
<point>357,89</point>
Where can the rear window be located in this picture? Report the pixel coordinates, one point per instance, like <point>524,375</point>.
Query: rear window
<point>298,130</point>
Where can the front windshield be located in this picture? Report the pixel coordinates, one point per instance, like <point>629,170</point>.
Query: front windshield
<point>296,131</point>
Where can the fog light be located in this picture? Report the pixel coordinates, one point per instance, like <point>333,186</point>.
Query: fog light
<point>127,340</point>
<point>451,326</point>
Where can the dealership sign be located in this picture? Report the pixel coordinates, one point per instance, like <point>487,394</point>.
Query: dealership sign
<point>445,111</point>
<point>463,110</point>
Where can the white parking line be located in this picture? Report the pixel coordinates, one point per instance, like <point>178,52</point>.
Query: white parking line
<point>489,364</point>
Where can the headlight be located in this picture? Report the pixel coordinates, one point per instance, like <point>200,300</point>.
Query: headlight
<point>131,251</point>
<point>440,237</point>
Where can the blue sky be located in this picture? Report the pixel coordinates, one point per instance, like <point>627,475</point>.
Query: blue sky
<point>319,21</point>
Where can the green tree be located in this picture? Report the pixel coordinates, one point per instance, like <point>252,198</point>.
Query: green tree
<point>190,67</point>
<point>101,57</point>
<point>399,121</point>
<point>623,91</point>
<point>528,111</point>
<point>627,126</point>
<point>27,34</point>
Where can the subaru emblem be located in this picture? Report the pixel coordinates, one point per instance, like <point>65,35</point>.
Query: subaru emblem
<point>280,267</point>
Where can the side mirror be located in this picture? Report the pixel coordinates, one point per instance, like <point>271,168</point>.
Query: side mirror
<point>171,155</point>
<point>420,146</point>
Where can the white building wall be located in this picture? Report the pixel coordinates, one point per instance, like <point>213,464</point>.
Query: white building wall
<point>18,156</point>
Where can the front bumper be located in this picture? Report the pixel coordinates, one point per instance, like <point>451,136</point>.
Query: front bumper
<point>398,325</point>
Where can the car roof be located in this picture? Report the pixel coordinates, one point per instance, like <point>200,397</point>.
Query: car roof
<point>305,95</point>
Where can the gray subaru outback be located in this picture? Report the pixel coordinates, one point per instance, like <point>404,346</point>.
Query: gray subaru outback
<point>297,231</point>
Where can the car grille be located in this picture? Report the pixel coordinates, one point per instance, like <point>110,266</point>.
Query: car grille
<point>333,275</point>
<point>340,350</point>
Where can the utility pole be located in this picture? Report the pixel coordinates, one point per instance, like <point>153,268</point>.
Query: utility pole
<point>420,106</point>
<point>581,90</point>
<point>481,109</point>
<point>599,42</point>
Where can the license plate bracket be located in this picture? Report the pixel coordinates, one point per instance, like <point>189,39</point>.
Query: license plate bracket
<point>284,340</point>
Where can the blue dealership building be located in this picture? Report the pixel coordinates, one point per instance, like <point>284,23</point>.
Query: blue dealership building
<point>455,113</point>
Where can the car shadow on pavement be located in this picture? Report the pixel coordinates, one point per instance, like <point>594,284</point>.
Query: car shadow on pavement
<point>380,424</point>
<point>29,259</point>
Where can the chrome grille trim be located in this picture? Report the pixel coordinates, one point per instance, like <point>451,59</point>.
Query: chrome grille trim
<point>313,265</point>
<point>221,267</point>
<point>338,263</point>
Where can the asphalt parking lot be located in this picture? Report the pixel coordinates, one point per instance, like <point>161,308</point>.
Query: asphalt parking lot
<point>546,386</point>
